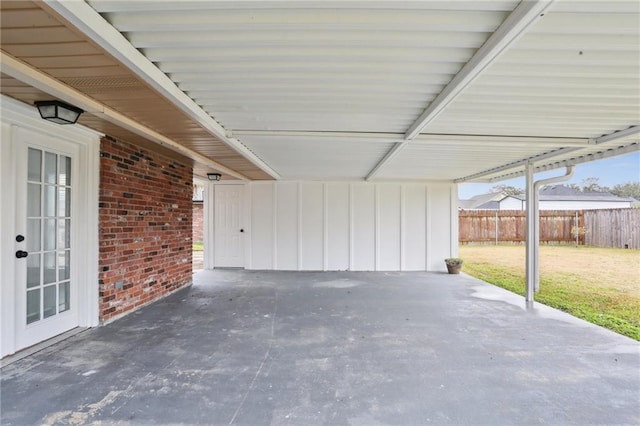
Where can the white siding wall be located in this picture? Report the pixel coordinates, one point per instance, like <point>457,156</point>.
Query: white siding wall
<point>388,225</point>
<point>351,226</point>
<point>338,231</point>
<point>262,248</point>
<point>442,225</point>
<point>312,226</point>
<point>286,225</point>
<point>414,228</point>
<point>363,235</point>
<point>511,203</point>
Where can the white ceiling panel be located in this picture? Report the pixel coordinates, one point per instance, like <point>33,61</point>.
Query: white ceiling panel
<point>297,157</point>
<point>306,85</point>
<point>309,66</point>
<point>303,121</point>
<point>172,5</point>
<point>578,75</point>
<point>448,159</point>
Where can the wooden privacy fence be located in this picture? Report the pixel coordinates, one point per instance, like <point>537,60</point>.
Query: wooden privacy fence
<point>509,226</point>
<point>601,228</point>
<point>613,228</point>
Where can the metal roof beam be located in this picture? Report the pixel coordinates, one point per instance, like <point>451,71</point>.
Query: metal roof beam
<point>613,152</point>
<point>611,137</point>
<point>631,131</point>
<point>507,33</point>
<point>424,138</point>
<point>515,164</point>
<point>525,14</point>
<point>428,138</point>
<point>388,157</point>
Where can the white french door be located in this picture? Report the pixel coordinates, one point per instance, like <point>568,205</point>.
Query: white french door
<point>46,257</point>
<point>228,228</point>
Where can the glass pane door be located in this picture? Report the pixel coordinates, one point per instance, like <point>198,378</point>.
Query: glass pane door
<point>48,235</point>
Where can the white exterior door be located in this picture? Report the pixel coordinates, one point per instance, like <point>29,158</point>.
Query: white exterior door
<point>49,178</point>
<point>45,259</point>
<point>228,227</point>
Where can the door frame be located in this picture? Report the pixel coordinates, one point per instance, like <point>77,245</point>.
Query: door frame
<point>20,122</point>
<point>209,222</point>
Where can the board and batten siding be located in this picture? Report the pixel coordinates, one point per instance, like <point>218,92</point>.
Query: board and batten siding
<point>356,226</point>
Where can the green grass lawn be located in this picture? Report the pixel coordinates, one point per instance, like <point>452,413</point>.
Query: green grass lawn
<point>198,246</point>
<point>599,285</point>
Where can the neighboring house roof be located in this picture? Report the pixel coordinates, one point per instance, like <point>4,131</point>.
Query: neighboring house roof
<point>565,193</point>
<point>586,197</point>
<point>492,200</point>
<point>491,205</point>
<point>475,201</point>
<point>483,201</point>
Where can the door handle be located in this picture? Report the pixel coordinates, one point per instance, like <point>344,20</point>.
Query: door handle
<point>21,253</point>
<point>242,230</point>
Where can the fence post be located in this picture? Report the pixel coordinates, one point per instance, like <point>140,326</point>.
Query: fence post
<point>496,227</point>
<point>577,230</point>
<point>582,224</point>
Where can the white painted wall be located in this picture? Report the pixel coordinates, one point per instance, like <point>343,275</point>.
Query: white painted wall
<point>350,226</point>
<point>262,242</point>
<point>311,226</point>
<point>337,232</point>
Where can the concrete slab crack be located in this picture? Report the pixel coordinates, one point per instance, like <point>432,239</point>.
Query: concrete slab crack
<point>264,359</point>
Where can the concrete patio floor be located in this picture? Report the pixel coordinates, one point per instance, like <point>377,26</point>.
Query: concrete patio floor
<point>294,348</point>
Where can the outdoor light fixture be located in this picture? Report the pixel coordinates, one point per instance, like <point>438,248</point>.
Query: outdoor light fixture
<point>58,112</point>
<point>214,176</point>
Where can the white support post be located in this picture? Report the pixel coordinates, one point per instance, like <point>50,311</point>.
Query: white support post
<point>531,260</point>
<point>536,237</point>
<point>536,212</point>
<point>208,223</point>
<point>533,227</point>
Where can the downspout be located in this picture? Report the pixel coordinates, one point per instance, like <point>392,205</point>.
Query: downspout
<point>533,227</point>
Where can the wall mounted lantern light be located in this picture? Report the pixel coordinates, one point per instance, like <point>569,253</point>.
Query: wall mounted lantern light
<point>214,176</point>
<point>58,112</point>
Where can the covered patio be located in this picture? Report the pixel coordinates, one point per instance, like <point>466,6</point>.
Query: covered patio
<point>358,348</point>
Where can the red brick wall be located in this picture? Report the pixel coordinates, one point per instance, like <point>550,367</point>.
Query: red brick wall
<point>145,227</point>
<point>198,225</point>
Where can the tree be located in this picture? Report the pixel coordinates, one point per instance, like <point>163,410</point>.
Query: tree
<point>629,189</point>
<point>574,186</point>
<point>591,185</point>
<point>509,190</point>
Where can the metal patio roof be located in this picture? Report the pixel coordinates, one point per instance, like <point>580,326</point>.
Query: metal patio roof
<point>376,90</point>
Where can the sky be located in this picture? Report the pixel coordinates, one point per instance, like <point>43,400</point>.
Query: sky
<point>610,172</point>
